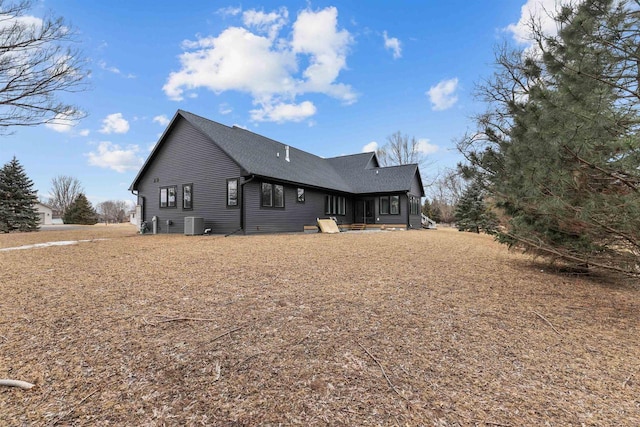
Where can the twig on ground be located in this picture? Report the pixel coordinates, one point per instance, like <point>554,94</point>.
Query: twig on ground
<point>383,372</point>
<point>16,383</point>
<point>218,371</point>
<point>624,384</point>
<point>491,423</point>
<point>184,319</point>
<point>242,362</point>
<point>547,321</point>
<point>303,339</point>
<point>73,408</point>
<point>227,333</point>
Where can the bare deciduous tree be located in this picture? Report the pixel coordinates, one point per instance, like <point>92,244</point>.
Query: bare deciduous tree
<point>113,210</point>
<point>64,191</point>
<point>445,192</point>
<point>401,150</point>
<point>37,63</point>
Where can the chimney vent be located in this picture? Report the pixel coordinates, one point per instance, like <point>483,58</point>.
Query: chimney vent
<point>286,153</point>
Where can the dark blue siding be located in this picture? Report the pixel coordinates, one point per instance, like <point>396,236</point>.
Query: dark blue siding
<point>188,157</point>
<point>401,218</point>
<point>293,217</point>
<point>415,221</point>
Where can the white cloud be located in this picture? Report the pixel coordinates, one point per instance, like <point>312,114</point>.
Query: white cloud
<point>114,123</point>
<point>84,132</point>
<point>28,22</point>
<point>256,60</point>
<point>62,122</point>
<point>316,34</point>
<point>112,156</point>
<point>114,70</point>
<point>542,11</point>
<point>225,108</point>
<point>235,60</point>
<point>282,112</point>
<point>393,44</point>
<point>426,147</point>
<point>372,146</point>
<point>163,120</point>
<point>229,11</point>
<point>267,23</point>
<point>111,69</point>
<point>442,95</point>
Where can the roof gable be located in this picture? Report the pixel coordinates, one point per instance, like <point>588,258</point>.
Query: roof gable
<point>270,159</point>
<point>262,156</point>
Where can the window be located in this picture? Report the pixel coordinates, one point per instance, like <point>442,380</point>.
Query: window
<point>334,205</point>
<point>415,205</point>
<point>232,192</point>
<point>187,193</point>
<point>278,196</point>
<point>384,205</point>
<point>272,196</point>
<point>168,197</point>
<point>390,205</point>
<point>266,198</point>
<point>394,208</point>
<point>300,198</point>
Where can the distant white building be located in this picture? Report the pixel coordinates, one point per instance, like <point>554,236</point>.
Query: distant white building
<point>45,214</point>
<point>133,218</point>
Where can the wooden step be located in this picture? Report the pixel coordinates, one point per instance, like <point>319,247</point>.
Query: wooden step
<point>358,227</point>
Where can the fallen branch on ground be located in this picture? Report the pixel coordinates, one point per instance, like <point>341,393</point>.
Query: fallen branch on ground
<point>184,319</point>
<point>16,383</point>
<point>227,333</point>
<point>547,321</point>
<point>383,372</point>
<point>491,423</point>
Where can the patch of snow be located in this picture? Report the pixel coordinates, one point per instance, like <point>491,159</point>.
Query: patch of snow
<point>49,244</point>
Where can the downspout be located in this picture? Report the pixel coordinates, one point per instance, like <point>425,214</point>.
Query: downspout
<point>408,207</point>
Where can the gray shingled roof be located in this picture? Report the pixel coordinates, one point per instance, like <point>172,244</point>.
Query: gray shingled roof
<point>364,176</point>
<point>264,157</point>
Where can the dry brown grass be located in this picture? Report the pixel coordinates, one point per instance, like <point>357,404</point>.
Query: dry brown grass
<point>393,328</point>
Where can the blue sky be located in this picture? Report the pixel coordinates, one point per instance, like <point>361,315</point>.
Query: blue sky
<point>330,78</point>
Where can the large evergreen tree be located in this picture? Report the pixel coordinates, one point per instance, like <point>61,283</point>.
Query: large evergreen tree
<point>473,214</point>
<point>559,149</point>
<point>17,199</point>
<point>80,212</point>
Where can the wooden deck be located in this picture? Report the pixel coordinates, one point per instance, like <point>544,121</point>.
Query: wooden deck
<point>358,227</point>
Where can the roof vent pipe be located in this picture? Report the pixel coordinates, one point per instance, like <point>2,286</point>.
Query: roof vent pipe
<point>286,153</point>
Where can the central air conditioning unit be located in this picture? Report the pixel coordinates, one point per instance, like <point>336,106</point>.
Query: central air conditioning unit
<point>193,225</point>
